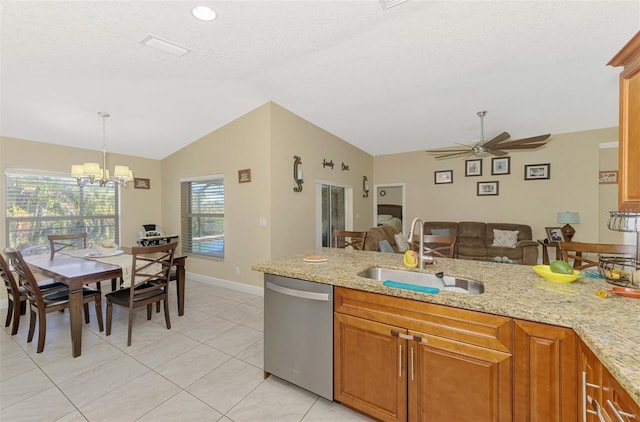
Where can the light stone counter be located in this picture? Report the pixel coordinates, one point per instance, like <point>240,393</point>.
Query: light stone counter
<point>610,327</point>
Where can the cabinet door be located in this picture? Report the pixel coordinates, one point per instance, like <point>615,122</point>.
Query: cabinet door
<point>454,381</point>
<point>590,384</point>
<point>370,367</point>
<point>545,373</point>
<point>618,405</point>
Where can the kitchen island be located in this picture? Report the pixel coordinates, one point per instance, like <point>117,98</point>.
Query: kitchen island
<point>609,327</point>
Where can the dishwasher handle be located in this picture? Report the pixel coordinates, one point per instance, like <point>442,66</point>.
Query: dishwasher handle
<point>324,297</point>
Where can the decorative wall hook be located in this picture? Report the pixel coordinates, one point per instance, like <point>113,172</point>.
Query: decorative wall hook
<point>297,173</point>
<point>326,163</point>
<point>345,167</point>
<point>365,187</point>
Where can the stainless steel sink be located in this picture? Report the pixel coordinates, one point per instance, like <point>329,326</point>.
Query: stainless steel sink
<point>439,280</point>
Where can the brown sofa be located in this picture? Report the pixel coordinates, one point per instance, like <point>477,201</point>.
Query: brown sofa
<point>377,234</point>
<point>474,240</point>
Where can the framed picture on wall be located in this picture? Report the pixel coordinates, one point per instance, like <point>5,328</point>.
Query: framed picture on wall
<point>139,183</point>
<point>473,168</point>
<point>487,188</point>
<point>442,177</point>
<point>244,176</point>
<point>500,165</point>
<point>608,177</point>
<point>537,171</point>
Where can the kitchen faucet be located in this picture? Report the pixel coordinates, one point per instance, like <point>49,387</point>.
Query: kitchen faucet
<point>421,255</point>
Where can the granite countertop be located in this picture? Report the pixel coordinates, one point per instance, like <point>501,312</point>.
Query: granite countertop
<point>610,327</point>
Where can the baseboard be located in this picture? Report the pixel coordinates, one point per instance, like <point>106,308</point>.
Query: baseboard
<point>234,285</point>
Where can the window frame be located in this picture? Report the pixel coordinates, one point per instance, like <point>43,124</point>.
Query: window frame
<point>216,240</point>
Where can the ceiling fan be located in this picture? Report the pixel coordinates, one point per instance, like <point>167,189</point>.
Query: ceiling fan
<point>496,146</point>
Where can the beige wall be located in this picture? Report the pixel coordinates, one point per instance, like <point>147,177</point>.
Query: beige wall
<point>264,140</point>
<point>137,206</point>
<point>608,194</point>
<point>573,186</point>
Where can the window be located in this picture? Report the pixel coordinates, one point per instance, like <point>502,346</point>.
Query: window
<point>38,205</point>
<point>203,216</point>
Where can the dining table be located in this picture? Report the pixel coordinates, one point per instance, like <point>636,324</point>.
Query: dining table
<point>76,270</point>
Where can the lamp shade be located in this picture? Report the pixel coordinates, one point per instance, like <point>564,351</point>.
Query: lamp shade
<point>568,217</point>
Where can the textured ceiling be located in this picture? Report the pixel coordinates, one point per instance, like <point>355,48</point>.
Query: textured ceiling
<point>405,79</point>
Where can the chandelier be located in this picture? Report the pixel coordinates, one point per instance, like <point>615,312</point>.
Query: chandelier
<point>93,173</point>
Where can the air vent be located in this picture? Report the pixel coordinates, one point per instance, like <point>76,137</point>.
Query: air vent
<point>163,45</point>
<point>388,4</point>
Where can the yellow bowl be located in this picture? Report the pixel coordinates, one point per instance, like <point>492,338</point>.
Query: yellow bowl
<point>544,271</point>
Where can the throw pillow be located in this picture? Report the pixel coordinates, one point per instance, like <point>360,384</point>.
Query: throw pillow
<point>401,242</point>
<point>385,246</point>
<point>505,238</point>
<point>440,232</point>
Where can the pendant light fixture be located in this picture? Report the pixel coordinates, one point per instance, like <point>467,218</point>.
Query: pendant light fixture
<point>93,173</point>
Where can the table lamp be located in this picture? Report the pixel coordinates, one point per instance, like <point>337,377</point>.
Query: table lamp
<point>567,218</point>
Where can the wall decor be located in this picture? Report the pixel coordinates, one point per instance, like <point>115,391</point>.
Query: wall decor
<point>487,188</point>
<point>326,163</point>
<point>244,176</point>
<point>345,167</point>
<point>473,167</point>
<point>608,177</point>
<point>537,171</point>
<point>141,183</point>
<point>554,234</point>
<point>297,173</point>
<point>500,165</point>
<point>442,177</point>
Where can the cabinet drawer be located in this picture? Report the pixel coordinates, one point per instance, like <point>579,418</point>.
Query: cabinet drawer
<point>471,327</point>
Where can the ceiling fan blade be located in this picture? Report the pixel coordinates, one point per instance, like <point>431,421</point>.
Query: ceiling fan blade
<point>532,140</point>
<point>437,151</point>
<point>502,137</point>
<point>455,154</point>
<point>522,146</point>
<point>498,153</point>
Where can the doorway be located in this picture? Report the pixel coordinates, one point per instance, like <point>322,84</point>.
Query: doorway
<point>389,205</point>
<point>333,211</point>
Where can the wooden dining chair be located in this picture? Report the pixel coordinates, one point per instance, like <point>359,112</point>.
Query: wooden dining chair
<point>17,295</point>
<point>574,251</point>
<point>436,245</point>
<point>41,304</point>
<point>344,238</point>
<point>148,283</point>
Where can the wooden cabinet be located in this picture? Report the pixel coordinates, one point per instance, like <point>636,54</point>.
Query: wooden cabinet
<point>601,397</point>
<point>545,381</point>
<point>629,138</point>
<point>397,359</point>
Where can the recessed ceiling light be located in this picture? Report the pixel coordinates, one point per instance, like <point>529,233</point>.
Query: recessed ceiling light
<point>204,13</point>
<point>164,45</point>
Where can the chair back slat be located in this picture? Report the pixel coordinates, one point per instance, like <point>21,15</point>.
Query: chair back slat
<point>150,263</point>
<point>25,277</point>
<point>344,238</point>
<point>7,276</point>
<point>436,245</point>
<point>574,251</point>
<point>58,242</point>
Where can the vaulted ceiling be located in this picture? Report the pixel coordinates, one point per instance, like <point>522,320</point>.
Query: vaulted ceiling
<point>403,79</point>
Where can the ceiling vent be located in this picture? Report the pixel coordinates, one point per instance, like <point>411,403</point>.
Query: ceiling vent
<point>388,4</point>
<point>164,45</point>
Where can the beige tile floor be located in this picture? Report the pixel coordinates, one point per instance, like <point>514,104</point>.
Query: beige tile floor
<point>208,367</point>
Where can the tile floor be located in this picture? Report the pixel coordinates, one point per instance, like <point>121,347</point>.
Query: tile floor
<point>208,367</point>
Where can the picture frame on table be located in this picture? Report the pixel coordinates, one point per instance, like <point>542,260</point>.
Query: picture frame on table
<point>537,171</point>
<point>554,234</point>
<point>244,176</point>
<point>473,168</point>
<point>488,188</point>
<point>139,183</point>
<point>442,177</point>
<point>500,165</point>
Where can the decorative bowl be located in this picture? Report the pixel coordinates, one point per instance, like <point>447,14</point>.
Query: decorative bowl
<point>105,251</point>
<point>545,271</point>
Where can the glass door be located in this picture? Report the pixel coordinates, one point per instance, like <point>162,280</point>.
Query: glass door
<point>333,211</point>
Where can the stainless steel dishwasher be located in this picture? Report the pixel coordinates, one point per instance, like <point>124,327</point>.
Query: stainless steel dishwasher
<point>298,333</point>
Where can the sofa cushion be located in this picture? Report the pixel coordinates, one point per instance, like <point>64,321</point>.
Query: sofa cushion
<point>441,232</point>
<point>505,238</point>
<point>401,242</point>
<point>376,234</point>
<point>384,246</point>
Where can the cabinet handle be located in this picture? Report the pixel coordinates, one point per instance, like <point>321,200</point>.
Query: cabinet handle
<point>399,360</point>
<point>619,413</point>
<point>598,410</point>
<point>412,364</point>
<point>586,398</point>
